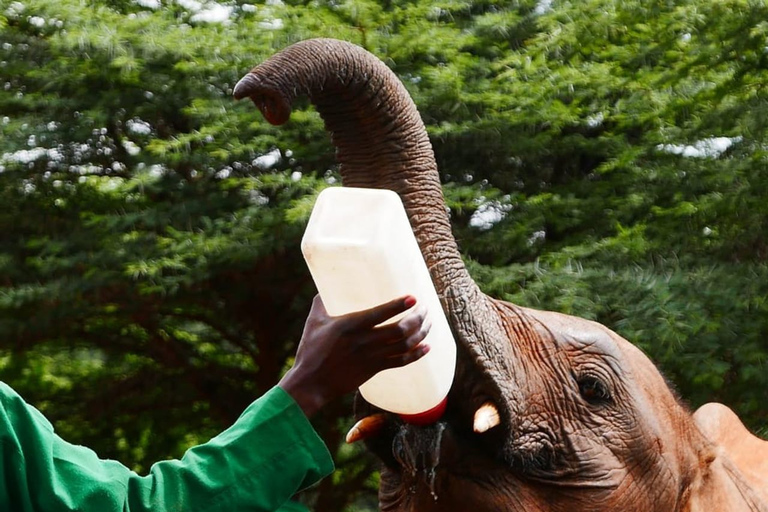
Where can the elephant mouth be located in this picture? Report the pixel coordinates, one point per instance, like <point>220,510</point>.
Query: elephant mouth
<point>445,466</point>
<point>469,435</point>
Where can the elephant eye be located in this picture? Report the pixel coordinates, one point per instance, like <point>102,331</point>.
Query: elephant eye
<point>593,390</point>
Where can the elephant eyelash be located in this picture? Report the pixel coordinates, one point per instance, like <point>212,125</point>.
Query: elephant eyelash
<point>593,390</point>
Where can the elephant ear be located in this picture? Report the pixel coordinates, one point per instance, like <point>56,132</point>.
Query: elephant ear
<point>732,439</point>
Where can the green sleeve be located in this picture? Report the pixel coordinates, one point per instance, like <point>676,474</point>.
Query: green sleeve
<point>257,464</point>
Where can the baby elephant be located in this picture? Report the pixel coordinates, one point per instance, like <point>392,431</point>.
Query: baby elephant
<point>548,413</point>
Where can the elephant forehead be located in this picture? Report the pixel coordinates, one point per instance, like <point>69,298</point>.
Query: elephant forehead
<point>582,336</point>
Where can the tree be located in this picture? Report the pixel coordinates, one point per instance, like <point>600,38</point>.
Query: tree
<point>605,159</point>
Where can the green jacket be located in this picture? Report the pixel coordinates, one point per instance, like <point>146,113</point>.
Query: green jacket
<point>257,464</point>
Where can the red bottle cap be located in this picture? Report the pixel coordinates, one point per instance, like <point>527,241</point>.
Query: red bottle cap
<point>427,417</point>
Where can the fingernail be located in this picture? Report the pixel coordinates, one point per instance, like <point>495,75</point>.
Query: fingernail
<point>425,348</point>
<point>409,301</point>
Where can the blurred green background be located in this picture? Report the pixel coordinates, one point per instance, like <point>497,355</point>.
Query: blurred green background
<point>607,159</point>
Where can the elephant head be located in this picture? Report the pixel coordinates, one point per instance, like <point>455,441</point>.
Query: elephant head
<point>580,419</point>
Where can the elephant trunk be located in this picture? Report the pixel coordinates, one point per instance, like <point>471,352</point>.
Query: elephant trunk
<point>380,139</point>
<point>381,142</point>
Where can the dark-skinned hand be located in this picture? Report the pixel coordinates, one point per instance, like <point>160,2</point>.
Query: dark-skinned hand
<point>338,354</point>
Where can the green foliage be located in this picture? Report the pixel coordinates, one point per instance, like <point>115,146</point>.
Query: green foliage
<point>601,158</point>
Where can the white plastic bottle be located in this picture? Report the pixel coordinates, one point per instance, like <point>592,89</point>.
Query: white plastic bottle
<point>361,252</point>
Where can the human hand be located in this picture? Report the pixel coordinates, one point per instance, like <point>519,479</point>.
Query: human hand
<point>338,354</point>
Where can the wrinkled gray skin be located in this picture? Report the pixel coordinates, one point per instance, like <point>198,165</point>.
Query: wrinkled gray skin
<point>587,421</point>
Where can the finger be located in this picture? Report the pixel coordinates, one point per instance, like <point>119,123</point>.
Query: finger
<point>387,350</point>
<point>405,358</point>
<point>378,314</point>
<point>410,324</point>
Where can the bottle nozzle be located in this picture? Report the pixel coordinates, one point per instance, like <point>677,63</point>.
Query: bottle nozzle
<point>427,417</point>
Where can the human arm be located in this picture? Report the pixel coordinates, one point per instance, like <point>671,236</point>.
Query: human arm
<point>257,464</point>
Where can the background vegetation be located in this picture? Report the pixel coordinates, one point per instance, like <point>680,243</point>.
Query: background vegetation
<point>607,159</point>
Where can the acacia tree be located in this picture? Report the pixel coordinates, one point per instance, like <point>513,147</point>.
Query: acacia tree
<point>605,159</point>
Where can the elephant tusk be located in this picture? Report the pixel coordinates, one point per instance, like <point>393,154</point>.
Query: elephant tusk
<point>366,427</point>
<point>486,417</point>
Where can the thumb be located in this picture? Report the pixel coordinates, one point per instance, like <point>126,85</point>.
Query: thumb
<point>372,317</point>
<point>317,306</point>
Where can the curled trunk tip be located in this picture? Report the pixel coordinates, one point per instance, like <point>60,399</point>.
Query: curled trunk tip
<point>273,105</point>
